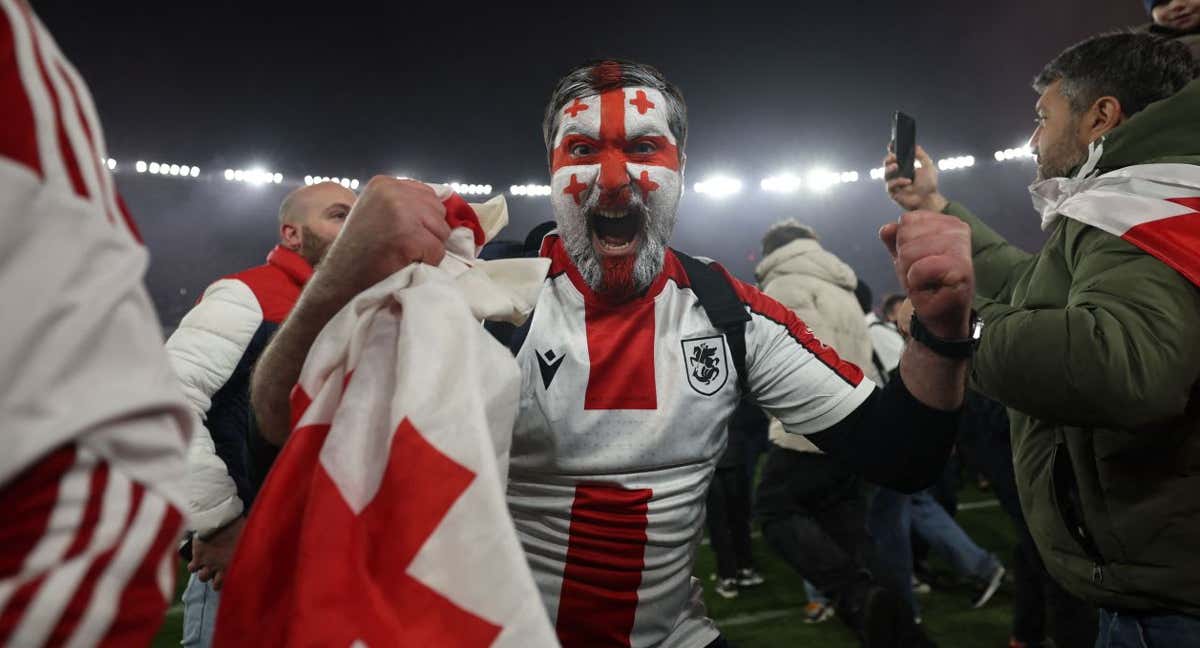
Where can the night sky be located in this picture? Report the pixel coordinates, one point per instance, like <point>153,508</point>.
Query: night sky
<point>446,92</point>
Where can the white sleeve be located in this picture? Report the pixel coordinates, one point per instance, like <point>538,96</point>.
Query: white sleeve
<point>81,352</point>
<point>794,376</point>
<point>888,344</point>
<point>204,352</point>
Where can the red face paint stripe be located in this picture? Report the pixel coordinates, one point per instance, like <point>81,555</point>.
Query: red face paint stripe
<point>621,347</point>
<point>764,306</point>
<point>64,143</point>
<point>1175,241</point>
<point>605,558</point>
<point>18,138</point>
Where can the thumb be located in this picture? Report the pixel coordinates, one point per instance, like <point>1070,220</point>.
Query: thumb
<point>924,158</point>
<point>887,234</point>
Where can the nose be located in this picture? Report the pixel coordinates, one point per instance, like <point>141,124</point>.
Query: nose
<point>614,181</point>
<point>1033,140</point>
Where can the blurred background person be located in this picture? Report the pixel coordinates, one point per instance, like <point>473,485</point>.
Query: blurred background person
<point>1178,20</point>
<point>212,352</point>
<point>728,506</point>
<point>812,508</point>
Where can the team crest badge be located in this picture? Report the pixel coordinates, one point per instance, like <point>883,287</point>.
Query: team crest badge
<point>706,363</point>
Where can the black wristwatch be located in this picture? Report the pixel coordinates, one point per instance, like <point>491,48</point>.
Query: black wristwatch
<point>950,348</point>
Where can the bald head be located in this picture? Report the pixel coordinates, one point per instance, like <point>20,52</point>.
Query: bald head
<point>311,217</point>
<point>301,203</point>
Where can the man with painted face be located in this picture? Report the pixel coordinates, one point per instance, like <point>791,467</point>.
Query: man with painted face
<point>628,384</point>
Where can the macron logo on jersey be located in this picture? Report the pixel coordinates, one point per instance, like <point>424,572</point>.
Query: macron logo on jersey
<point>548,363</point>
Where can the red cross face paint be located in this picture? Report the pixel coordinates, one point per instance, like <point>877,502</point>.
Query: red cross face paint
<point>615,186</point>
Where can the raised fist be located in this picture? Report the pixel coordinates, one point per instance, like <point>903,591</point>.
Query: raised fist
<point>932,255</point>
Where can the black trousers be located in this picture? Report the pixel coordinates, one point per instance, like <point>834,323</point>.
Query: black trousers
<point>728,519</point>
<point>813,515</point>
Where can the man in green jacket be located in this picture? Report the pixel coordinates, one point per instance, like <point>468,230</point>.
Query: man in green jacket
<point>1094,342</point>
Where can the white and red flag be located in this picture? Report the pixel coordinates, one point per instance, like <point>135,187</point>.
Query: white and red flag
<point>1153,206</point>
<point>383,521</point>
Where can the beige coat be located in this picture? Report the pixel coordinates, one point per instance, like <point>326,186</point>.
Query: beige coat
<point>819,288</point>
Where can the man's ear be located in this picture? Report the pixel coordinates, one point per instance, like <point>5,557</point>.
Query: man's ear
<point>289,236</point>
<point>1104,115</point>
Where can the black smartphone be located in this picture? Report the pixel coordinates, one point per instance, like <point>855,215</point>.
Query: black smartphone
<point>904,142</point>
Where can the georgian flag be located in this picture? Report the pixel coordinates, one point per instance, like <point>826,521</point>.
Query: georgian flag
<point>1153,206</point>
<point>383,521</point>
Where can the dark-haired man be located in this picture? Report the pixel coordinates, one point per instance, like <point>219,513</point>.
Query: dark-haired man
<point>629,383</point>
<point>1092,342</point>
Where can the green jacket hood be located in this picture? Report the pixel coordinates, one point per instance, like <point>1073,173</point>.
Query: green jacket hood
<point>1165,131</point>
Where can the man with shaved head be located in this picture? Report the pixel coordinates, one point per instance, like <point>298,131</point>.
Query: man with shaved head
<point>212,352</point>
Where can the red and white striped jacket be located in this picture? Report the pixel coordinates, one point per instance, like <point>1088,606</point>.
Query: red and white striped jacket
<point>81,356</point>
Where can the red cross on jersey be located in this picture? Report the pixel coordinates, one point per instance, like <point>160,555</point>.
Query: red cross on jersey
<point>623,416</point>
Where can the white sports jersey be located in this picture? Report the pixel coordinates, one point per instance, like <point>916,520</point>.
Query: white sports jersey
<point>623,416</point>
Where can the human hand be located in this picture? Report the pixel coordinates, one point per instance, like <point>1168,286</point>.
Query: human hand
<point>932,256</point>
<point>919,193</point>
<point>211,556</point>
<point>392,224</point>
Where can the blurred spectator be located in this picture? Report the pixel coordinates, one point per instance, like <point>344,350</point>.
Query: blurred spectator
<point>212,352</point>
<point>94,428</point>
<point>1092,342</point>
<point>811,508</point>
<point>728,505</point>
<point>1178,20</point>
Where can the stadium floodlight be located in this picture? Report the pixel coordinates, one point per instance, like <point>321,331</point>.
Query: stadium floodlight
<point>957,162</point>
<point>345,183</point>
<point>140,166</point>
<point>1019,153</point>
<point>185,170</point>
<point>849,176</point>
<point>785,182</point>
<point>354,183</point>
<point>877,173</point>
<point>173,169</point>
<point>820,180</point>
<point>154,167</point>
<point>239,175</point>
<point>718,186</point>
<point>195,172</point>
<point>278,178</point>
<point>229,174</point>
<point>112,164</point>
<point>308,180</point>
<point>530,190</point>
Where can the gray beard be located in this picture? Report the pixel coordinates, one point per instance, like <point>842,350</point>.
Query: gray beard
<point>576,235</point>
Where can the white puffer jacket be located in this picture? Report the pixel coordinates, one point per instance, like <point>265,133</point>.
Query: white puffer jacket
<point>819,288</point>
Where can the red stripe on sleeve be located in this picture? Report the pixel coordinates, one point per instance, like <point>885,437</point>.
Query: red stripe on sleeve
<point>605,558</point>
<point>764,306</point>
<point>64,143</point>
<point>18,137</point>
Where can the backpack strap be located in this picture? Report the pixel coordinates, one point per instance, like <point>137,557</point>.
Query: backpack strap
<point>724,309</point>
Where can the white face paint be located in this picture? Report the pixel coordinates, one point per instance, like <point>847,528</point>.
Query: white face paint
<point>615,188</point>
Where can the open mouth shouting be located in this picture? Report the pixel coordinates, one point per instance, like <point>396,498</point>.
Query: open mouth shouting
<point>615,232</point>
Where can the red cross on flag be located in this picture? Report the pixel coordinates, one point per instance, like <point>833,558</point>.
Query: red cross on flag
<point>383,521</point>
<point>1153,206</point>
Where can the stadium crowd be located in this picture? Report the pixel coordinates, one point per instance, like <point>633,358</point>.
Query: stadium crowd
<point>634,395</point>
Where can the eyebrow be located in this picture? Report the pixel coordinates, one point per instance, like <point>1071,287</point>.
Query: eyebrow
<point>338,205</point>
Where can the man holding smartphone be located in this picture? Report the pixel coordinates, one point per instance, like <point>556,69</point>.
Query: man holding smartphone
<point>1092,342</point>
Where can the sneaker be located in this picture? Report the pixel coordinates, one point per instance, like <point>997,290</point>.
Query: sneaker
<point>816,612</point>
<point>748,577</point>
<point>920,587</point>
<point>993,584</point>
<point>727,587</point>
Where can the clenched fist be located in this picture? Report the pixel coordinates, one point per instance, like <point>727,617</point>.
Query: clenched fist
<point>932,255</point>
<point>393,223</point>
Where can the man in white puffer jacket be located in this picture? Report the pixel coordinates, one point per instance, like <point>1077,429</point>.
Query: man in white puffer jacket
<point>811,507</point>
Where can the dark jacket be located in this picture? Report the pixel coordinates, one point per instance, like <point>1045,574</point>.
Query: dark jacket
<point>1094,345</point>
